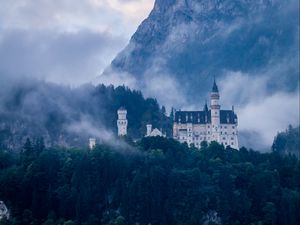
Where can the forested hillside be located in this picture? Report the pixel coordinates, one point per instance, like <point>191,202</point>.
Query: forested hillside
<point>156,181</point>
<point>288,142</point>
<point>67,116</point>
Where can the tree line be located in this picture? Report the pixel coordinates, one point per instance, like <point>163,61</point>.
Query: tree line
<point>155,181</point>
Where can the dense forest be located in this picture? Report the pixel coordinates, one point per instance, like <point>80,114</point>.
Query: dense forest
<point>67,116</point>
<point>288,142</point>
<point>155,181</point>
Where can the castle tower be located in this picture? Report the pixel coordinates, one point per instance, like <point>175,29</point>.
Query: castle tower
<point>215,112</point>
<point>92,143</point>
<point>149,129</point>
<point>122,122</point>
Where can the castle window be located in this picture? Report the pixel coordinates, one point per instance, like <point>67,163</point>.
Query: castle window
<point>231,143</point>
<point>232,138</point>
<point>208,126</point>
<point>208,132</point>
<point>225,132</point>
<point>233,133</point>
<point>221,132</point>
<point>225,127</point>
<point>224,138</point>
<point>232,127</point>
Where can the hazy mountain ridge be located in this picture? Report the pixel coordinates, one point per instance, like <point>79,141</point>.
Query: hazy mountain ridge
<point>193,40</point>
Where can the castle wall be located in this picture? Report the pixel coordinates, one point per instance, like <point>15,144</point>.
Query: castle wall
<point>196,133</point>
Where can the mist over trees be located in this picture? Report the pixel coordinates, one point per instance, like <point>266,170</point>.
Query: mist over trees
<point>45,180</point>
<point>67,116</point>
<point>155,181</point>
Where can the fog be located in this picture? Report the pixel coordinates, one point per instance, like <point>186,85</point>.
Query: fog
<point>70,44</point>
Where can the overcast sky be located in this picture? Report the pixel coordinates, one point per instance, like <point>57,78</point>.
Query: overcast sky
<point>65,41</point>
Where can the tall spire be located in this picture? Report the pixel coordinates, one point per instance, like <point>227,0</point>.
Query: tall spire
<point>215,87</point>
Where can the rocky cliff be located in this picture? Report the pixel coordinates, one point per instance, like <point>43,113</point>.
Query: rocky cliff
<point>193,40</point>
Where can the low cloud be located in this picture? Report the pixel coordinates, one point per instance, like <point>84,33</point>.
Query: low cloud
<point>63,41</point>
<point>87,127</point>
<point>259,111</point>
<point>117,16</point>
<point>154,83</point>
<point>271,115</point>
<point>165,88</point>
<point>115,78</point>
<point>69,58</point>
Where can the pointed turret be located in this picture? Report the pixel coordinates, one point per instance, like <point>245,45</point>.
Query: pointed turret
<point>215,87</point>
<point>214,97</point>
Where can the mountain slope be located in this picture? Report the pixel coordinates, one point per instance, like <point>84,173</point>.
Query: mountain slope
<point>190,41</point>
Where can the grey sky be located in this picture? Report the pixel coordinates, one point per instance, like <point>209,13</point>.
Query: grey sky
<point>65,41</point>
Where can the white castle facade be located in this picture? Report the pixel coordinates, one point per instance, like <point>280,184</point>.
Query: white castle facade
<point>215,124</point>
<point>154,132</point>
<point>122,122</point>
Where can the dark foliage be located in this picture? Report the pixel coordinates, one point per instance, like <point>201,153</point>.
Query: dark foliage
<point>157,181</point>
<point>288,142</point>
<point>69,116</point>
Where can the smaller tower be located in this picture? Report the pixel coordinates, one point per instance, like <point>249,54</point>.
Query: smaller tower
<point>149,129</point>
<point>92,143</point>
<point>122,122</point>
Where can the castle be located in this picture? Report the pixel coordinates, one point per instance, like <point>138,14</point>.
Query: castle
<point>215,124</point>
<point>194,127</point>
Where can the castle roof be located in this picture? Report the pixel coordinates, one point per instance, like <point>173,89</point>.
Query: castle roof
<point>215,87</point>
<point>204,117</point>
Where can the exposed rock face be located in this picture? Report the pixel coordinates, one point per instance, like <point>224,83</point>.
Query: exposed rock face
<point>193,40</point>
